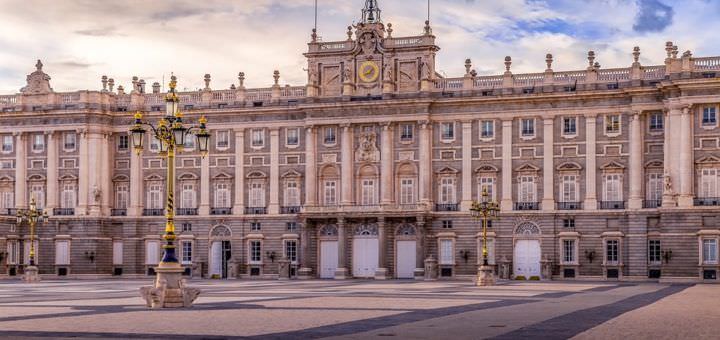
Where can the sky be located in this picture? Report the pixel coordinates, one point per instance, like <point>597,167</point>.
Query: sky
<point>81,40</point>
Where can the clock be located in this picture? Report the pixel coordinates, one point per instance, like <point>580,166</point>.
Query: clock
<point>368,71</point>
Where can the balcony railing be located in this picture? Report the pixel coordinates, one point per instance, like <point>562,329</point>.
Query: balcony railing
<point>706,201</point>
<point>220,211</point>
<point>527,206</point>
<point>611,204</point>
<point>650,204</point>
<point>9,211</point>
<point>446,207</point>
<point>255,210</point>
<point>294,209</point>
<point>118,212</point>
<point>64,211</point>
<point>186,211</point>
<point>153,212</point>
<point>569,205</point>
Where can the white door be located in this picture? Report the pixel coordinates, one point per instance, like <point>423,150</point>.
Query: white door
<point>405,266</point>
<point>216,258</point>
<point>365,257</point>
<point>328,259</point>
<point>527,258</point>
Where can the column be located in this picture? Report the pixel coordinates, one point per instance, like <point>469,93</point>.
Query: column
<point>341,272</point>
<point>420,249</point>
<point>425,156</point>
<point>94,189</point>
<point>672,157</point>
<point>204,207</point>
<point>506,202</point>
<point>548,201</point>
<point>590,162</point>
<point>635,162</point>
<point>136,183</point>
<point>466,201</point>
<point>310,166</point>
<point>84,177</point>
<point>239,206</point>
<point>274,207</point>
<point>21,195</point>
<point>107,155</point>
<point>686,158</point>
<point>346,159</point>
<point>305,270</point>
<point>52,172</point>
<point>386,164</point>
<point>381,272</point>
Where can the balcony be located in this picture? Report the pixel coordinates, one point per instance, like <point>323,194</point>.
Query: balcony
<point>220,211</point>
<point>651,204</point>
<point>569,205</point>
<point>706,201</point>
<point>295,209</point>
<point>611,204</point>
<point>153,212</point>
<point>118,212</point>
<point>64,211</point>
<point>186,211</point>
<point>446,207</point>
<point>255,210</point>
<point>9,211</point>
<point>527,206</point>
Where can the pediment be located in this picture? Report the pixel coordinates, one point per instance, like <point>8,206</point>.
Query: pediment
<point>188,176</point>
<point>569,166</point>
<point>154,177</point>
<point>613,165</point>
<point>708,160</point>
<point>487,168</point>
<point>291,174</point>
<point>447,171</point>
<point>654,164</point>
<point>36,178</point>
<point>527,167</point>
<point>225,175</point>
<point>254,174</point>
<point>121,178</point>
<point>68,177</point>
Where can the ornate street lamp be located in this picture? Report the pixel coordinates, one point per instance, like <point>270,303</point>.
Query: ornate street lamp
<point>171,132</point>
<point>31,216</point>
<point>485,210</point>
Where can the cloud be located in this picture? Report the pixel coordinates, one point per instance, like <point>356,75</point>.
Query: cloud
<point>653,16</point>
<point>99,32</point>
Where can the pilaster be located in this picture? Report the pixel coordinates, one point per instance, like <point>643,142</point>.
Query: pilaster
<point>346,159</point>
<point>239,206</point>
<point>94,190</point>
<point>106,154</point>
<point>341,272</point>
<point>466,200</point>
<point>548,201</point>
<point>274,206</point>
<point>425,156</point>
<point>21,196</point>
<point>52,172</point>
<point>590,162</point>
<point>310,166</point>
<point>386,165</point>
<point>136,182</point>
<point>204,208</point>
<point>84,178</point>
<point>382,271</point>
<point>686,158</point>
<point>635,162</point>
<point>506,201</point>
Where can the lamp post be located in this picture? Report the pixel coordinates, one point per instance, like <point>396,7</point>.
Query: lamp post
<point>169,291</point>
<point>485,210</point>
<point>31,216</point>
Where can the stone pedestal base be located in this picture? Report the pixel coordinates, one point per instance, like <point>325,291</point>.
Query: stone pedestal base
<point>169,289</point>
<point>419,273</point>
<point>31,274</point>
<point>485,276</point>
<point>341,274</point>
<point>284,269</point>
<point>305,273</point>
<point>431,269</point>
<point>381,274</point>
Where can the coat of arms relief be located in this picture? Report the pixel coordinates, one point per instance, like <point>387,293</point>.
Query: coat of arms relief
<point>367,150</point>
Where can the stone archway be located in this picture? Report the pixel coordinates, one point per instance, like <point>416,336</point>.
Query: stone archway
<point>220,252</point>
<point>365,250</point>
<point>406,240</point>
<point>327,251</point>
<point>526,250</point>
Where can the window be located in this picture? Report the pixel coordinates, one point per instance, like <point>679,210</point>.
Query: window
<point>487,129</point>
<point>569,126</point>
<point>67,196</point>
<point>189,143</point>
<point>291,226</point>
<point>257,194</point>
<point>223,140</point>
<point>446,252</point>
<point>611,251</point>
<point>154,144</point>
<point>38,143</point>
<point>117,253</point>
<point>62,252</point>
<point>612,188</point>
<point>155,196</point>
<point>186,252</point>
<point>526,194</point>
<point>447,130</point>
<point>656,122</point>
<point>291,251</point>
<point>569,223</point>
<point>255,226</point>
<point>709,117</point>
<point>447,190</point>
<point>330,192</point>
<point>708,183</point>
<point>710,251</point>
<point>569,251</point>
<point>486,183</point>
<point>292,194</point>
<point>69,142</point>
<point>258,137</point>
<point>569,189</point>
<point>222,195</point>
<point>292,136</point>
<point>121,196</point>
<point>123,142</point>
<point>612,124</point>
<point>655,187</point>
<point>527,127</point>
<point>447,224</point>
<point>188,196</point>
<point>407,191</point>
<point>187,227</point>
<point>406,133</point>
<point>367,195</point>
<point>37,192</point>
<point>255,252</point>
<point>152,252</point>
<point>329,134</point>
<point>7,199</point>
<point>6,164</point>
<point>7,145</point>
<point>654,256</point>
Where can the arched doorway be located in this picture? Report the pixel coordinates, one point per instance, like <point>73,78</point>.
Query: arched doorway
<point>220,251</point>
<point>526,253</point>
<point>365,250</point>
<point>405,251</point>
<point>328,236</point>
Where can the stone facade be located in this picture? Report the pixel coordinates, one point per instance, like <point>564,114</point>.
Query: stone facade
<point>370,168</point>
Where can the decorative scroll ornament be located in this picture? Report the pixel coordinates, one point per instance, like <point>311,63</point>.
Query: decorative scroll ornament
<point>38,82</point>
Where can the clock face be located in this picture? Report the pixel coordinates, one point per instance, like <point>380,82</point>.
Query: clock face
<point>368,71</point>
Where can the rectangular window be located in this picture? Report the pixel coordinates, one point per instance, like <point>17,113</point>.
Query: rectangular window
<point>38,143</point>
<point>255,252</point>
<point>656,122</point>
<point>447,190</point>
<point>257,194</point>
<point>155,196</point>
<point>189,143</point>
<point>709,117</point>
<point>569,189</point>
<point>655,187</point>
<point>7,145</point>
<point>330,193</point>
<point>487,129</point>
<point>612,124</point>
<point>406,134</point>
<point>526,194</point>
<point>291,226</point>
<point>569,223</point>
<point>447,224</point>
<point>654,256</point>
<point>222,195</point>
<point>7,199</point>
<point>37,192</point>
<point>611,251</point>
<point>527,127</point>
<point>117,253</point>
<point>292,194</point>
<point>62,253</point>
<point>569,251</point>
<point>186,252</point>
<point>258,137</point>
<point>121,196</point>
<point>291,251</point>
<point>367,196</point>
<point>188,196</point>
<point>187,227</point>
<point>407,191</point>
<point>708,183</point>
<point>67,195</point>
<point>486,183</point>
<point>123,142</point>
<point>69,143</point>
<point>447,252</point>
<point>154,144</point>
<point>292,136</point>
<point>447,130</point>
<point>710,251</point>
<point>255,226</point>
<point>569,126</point>
<point>152,252</point>
<point>223,140</point>
<point>612,188</point>
<point>329,135</point>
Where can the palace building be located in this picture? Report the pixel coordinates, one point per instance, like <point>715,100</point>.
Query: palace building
<point>369,170</point>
